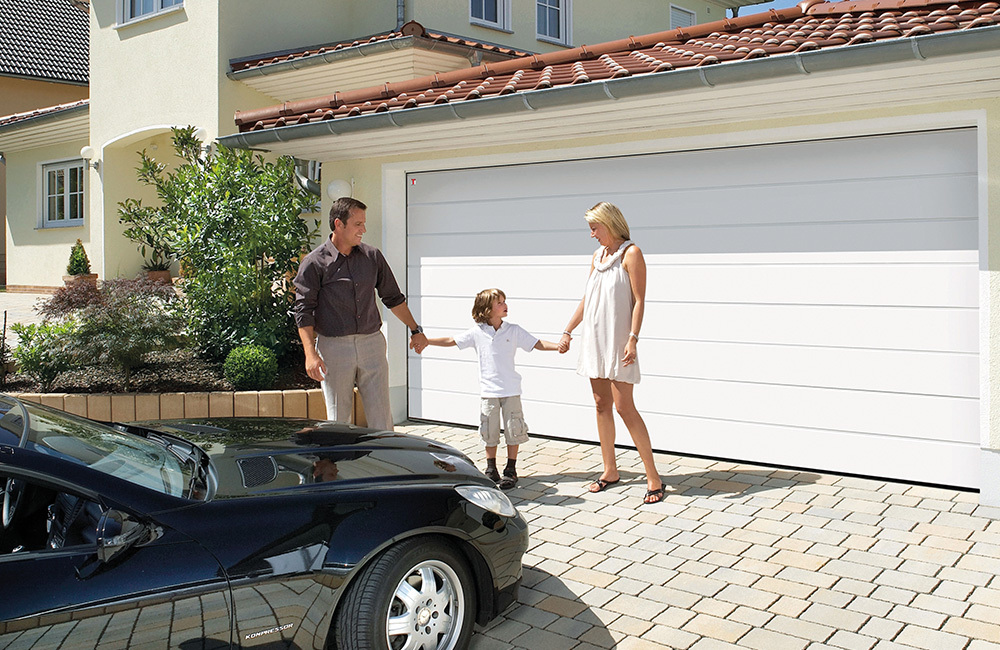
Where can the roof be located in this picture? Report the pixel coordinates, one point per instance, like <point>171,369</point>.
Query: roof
<point>41,113</point>
<point>45,39</point>
<point>411,29</point>
<point>812,26</point>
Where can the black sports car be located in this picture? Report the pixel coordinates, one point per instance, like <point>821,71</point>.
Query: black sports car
<point>244,533</point>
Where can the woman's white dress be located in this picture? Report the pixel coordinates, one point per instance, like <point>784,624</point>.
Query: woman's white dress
<point>607,321</point>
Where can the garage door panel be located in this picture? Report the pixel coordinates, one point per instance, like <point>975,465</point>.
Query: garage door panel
<point>870,284</point>
<point>898,371</point>
<point>871,236</point>
<point>515,280</point>
<point>920,155</point>
<point>885,199</point>
<point>889,328</point>
<point>890,414</point>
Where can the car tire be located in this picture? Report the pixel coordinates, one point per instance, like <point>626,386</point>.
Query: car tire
<point>417,594</point>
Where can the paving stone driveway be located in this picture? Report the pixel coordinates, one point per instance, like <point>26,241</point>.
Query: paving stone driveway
<point>741,556</point>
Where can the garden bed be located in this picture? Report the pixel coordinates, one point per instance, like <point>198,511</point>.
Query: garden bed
<point>177,371</point>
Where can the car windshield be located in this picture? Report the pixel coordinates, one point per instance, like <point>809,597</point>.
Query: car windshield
<point>99,447</point>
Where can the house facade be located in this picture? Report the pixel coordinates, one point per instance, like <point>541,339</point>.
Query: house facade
<point>156,64</point>
<point>43,63</point>
<point>815,193</point>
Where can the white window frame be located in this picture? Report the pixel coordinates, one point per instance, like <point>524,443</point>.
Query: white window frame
<point>683,10</point>
<point>45,219</point>
<point>123,9</point>
<point>503,23</point>
<point>565,21</point>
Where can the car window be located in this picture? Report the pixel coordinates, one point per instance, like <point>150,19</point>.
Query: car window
<point>37,517</point>
<point>99,447</point>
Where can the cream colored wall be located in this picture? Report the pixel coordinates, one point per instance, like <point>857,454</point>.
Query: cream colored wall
<point>38,256</point>
<point>21,95</point>
<point>593,22</point>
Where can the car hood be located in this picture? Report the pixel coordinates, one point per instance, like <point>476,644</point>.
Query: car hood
<point>256,455</point>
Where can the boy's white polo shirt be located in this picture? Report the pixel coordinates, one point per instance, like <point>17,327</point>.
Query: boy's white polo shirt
<point>496,348</point>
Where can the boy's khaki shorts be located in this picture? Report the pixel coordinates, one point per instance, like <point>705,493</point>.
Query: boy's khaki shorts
<point>515,429</point>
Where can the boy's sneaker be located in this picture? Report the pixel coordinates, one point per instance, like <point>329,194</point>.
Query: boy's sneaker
<point>509,479</point>
<point>492,474</point>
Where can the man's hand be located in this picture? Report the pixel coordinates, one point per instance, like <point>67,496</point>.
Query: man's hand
<point>315,367</point>
<point>418,342</point>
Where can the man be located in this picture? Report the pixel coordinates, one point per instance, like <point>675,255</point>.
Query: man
<point>339,321</point>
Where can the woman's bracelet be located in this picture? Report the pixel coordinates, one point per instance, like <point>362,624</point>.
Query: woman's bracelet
<point>634,335</point>
<point>567,334</point>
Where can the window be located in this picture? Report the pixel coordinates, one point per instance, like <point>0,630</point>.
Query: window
<point>680,17</point>
<point>490,13</point>
<point>135,9</point>
<point>62,199</point>
<point>552,21</point>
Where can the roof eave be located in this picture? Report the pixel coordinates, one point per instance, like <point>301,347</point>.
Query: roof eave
<point>916,48</point>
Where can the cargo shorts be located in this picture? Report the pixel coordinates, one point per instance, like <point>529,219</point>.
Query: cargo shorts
<point>515,429</point>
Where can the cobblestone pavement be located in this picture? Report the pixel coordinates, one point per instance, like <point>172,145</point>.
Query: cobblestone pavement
<point>741,556</point>
<point>19,308</point>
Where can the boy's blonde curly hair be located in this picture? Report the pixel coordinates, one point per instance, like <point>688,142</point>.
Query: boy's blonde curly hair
<point>483,305</point>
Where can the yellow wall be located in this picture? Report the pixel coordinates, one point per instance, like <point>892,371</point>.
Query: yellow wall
<point>38,256</point>
<point>19,96</point>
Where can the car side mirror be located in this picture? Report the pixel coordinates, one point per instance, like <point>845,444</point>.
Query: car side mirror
<point>117,532</point>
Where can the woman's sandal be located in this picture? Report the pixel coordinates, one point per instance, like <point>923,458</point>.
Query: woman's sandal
<point>602,485</point>
<point>658,493</point>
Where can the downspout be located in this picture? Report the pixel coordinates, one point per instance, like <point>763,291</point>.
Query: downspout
<point>400,13</point>
<point>302,177</point>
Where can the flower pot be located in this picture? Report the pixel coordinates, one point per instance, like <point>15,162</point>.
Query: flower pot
<point>90,278</point>
<point>159,277</point>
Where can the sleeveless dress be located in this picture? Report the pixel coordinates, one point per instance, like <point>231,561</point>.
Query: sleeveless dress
<point>607,321</point>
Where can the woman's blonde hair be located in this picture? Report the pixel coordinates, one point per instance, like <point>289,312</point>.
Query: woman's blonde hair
<point>610,217</point>
<point>483,305</point>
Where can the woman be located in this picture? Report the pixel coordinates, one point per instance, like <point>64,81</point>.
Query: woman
<point>611,312</point>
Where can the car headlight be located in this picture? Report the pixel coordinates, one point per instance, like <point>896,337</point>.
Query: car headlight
<point>487,498</point>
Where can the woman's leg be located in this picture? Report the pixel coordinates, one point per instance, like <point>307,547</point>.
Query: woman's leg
<point>622,395</point>
<point>604,401</point>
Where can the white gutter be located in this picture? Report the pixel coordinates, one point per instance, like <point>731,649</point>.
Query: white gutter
<point>781,66</point>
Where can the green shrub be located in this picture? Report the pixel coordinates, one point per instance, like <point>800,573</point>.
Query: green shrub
<point>251,367</point>
<point>45,350</point>
<point>132,319</point>
<point>79,263</point>
<point>233,219</point>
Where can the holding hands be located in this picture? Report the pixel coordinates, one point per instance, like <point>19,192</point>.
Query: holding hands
<point>564,342</point>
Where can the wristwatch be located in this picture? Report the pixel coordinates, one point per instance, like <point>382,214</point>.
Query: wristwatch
<point>419,330</point>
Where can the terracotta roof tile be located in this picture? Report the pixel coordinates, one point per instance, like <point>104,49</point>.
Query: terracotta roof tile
<point>45,39</point>
<point>810,26</point>
<point>410,29</point>
<point>9,120</point>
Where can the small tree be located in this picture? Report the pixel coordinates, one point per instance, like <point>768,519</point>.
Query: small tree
<point>79,263</point>
<point>131,319</point>
<point>233,220</point>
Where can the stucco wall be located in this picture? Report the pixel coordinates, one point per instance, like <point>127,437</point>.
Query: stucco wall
<point>41,253</point>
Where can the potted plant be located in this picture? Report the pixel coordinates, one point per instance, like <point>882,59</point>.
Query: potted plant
<point>78,269</point>
<point>146,227</point>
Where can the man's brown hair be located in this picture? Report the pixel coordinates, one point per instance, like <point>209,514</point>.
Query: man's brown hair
<point>341,209</point>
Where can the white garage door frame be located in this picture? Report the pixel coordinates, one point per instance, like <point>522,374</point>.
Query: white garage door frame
<point>394,196</point>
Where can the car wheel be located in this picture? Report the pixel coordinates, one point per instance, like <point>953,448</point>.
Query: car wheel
<point>417,595</point>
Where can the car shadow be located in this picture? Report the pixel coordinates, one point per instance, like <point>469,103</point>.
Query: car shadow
<point>547,603</point>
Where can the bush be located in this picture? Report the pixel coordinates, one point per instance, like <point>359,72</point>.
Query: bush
<point>131,319</point>
<point>234,222</point>
<point>251,367</point>
<point>79,263</point>
<point>45,350</point>
<point>69,299</point>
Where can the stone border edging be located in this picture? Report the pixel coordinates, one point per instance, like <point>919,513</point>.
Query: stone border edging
<point>126,407</point>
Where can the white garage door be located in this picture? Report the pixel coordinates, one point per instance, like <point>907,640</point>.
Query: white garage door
<point>809,304</point>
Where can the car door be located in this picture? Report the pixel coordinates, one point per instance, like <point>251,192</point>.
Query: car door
<point>167,592</point>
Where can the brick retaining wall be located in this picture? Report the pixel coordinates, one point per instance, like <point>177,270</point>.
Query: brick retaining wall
<point>127,407</point>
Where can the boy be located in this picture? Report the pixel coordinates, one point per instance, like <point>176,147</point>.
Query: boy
<point>500,385</point>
